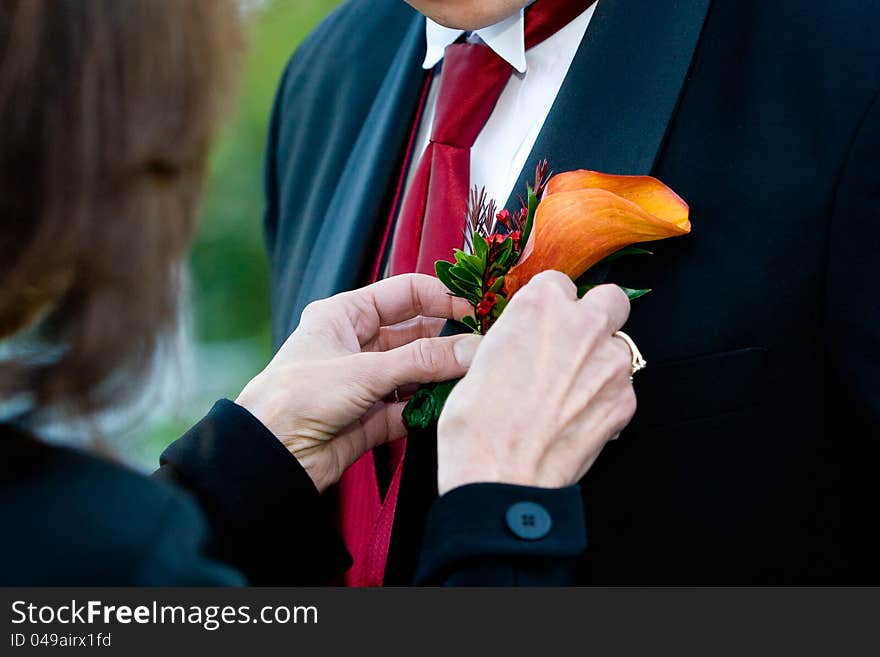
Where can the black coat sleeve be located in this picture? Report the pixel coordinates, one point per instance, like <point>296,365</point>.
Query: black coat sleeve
<point>176,554</point>
<point>267,520</point>
<point>265,516</point>
<point>852,318</point>
<point>503,535</point>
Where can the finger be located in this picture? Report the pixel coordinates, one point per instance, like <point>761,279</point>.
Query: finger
<point>398,299</point>
<point>614,407</point>
<point>612,302</point>
<point>381,424</point>
<point>402,393</point>
<point>395,428</point>
<point>555,279</point>
<point>391,337</point>
<point>405,392</point>
<point>427,360</point>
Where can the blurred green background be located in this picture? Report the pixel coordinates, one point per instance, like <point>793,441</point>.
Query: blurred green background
<point>229,297</point>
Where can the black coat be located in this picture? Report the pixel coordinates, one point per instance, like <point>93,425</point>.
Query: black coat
<point>230,505</point>
<point>750,458</point>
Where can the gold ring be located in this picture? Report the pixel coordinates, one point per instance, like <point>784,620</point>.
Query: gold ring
<point>638,361</point>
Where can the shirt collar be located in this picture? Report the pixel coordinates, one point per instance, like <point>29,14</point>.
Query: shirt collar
<point>506,38</point>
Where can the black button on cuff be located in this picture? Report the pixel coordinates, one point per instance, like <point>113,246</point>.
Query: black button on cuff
<point>528,521</point>
<point>514,527</point>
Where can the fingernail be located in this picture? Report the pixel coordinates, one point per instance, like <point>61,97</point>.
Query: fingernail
<point>465,350</point>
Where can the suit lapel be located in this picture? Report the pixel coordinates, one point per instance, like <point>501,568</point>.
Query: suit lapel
<point>360,203</point>
<point>611,115</point>
<point>622,90</point>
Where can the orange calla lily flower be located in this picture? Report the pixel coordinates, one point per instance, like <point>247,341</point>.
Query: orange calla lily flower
<point>586,216</point>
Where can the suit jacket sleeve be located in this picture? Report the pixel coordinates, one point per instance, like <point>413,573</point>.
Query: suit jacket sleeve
<point>266,517</point>
<point>853,329</point>
<point>471,538</point>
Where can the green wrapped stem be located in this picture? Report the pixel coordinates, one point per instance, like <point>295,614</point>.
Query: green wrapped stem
<point>423,410</point>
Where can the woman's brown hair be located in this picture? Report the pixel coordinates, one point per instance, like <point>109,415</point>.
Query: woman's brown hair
<point>107,112</point>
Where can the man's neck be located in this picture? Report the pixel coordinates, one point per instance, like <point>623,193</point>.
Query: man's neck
<point>506,38</point>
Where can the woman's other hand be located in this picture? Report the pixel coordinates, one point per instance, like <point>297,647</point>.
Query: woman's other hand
<point>548,389</point>
<point>324,394</point>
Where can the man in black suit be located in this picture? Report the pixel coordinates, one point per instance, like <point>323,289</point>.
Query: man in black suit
<point>749,460</point>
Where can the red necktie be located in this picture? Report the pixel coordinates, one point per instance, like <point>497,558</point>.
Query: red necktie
<point>429,227</point>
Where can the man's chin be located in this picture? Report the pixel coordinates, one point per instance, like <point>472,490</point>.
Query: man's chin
<point>468,16</point>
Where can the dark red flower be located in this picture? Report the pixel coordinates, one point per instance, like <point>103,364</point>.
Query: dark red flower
<point>503,217</point>
<point>516,235</point>
<point>496,238</point>
<point>487,304</point>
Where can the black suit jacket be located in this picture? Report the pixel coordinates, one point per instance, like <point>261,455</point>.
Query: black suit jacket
<point>213,514</point>
<point>230,506</point>
<point>749,460</point>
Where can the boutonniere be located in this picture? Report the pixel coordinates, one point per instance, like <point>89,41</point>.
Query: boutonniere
<point>568,222</point>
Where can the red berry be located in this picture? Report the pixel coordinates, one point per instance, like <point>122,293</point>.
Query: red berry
<point>487,304</point>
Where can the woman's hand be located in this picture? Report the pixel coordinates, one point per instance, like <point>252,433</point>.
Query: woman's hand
<point>322,393</point>
<point>547,389</point>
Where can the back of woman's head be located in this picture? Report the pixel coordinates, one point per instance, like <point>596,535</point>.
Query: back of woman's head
<point>107,111</point>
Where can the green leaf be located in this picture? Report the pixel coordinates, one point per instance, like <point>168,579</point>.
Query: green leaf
<point>465,275</point>
<point>466,293</point>
<point>532,202</point>
<point>499,307</point>
<point>481,248</point>
<point>442,269</point>
<point>497,285</point>
<point>471,323</point>
<point>444,272</point>
<point>628,251</point>
<point>506,250</point>
<point>631,294</point>
<point>505,259</point>
<point>497,270</point>
<point>472,262</point>
<point>634,294</point>
<point>424,409</point>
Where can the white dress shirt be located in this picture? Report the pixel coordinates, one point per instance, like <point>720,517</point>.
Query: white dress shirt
<point>503,147</point>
